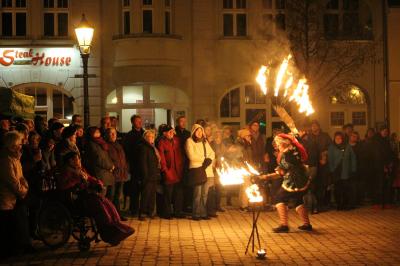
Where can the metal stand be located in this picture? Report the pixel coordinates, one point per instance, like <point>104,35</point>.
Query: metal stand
<point>256,214</point>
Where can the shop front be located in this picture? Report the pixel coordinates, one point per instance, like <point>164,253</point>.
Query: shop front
<point>47,74</point>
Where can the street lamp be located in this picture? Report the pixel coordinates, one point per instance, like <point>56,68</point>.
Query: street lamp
<point>84,35</point>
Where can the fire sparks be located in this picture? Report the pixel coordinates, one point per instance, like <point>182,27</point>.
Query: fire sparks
<point>235,175</point>
<point>253,193</point>
<point>295,90</point>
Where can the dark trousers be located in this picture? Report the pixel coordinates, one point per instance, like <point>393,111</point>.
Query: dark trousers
<point>342,193</point>
<point>135,192</point>
<point>148,198</point>
<point>211,202</point>
<point>118,187</point>
<point>187,198</point>
<point>173,200</point>
<point>382,188</point>
<point>218,196</point>
<point>7,233</point>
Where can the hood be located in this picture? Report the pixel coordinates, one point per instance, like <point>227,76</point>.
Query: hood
<point>194,128</point>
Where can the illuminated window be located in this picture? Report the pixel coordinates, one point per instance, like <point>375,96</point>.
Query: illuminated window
<point>349,95</point>
<point>337,118</point>
<point>359,118</point>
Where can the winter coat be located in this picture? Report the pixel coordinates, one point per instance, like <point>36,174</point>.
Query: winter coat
<point>382,153</point>
<point>344,158</point>
<point>258,148</point>
<point>131,143</point>
<point>13,185</point>
<point>312,150</point>
<point>149,164</point>
<point>172,160</point>
<point>322,140</point>
<point>195,153</point>
<point>117,155</point>
<point>98,163</point>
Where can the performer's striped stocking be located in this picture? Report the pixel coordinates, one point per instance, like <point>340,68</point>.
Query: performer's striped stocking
<point>303,213</point>
<point>282,213</point>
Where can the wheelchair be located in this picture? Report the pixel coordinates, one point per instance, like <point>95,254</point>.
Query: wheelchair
<point>58,220</point>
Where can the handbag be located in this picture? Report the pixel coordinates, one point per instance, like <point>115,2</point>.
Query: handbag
<point>198,175</point>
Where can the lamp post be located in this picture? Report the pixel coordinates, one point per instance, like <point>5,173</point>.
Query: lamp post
<point>84,35</point>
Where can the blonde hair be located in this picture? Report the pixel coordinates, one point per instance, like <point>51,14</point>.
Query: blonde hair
<point>148,132</point>
<point>283,141</point>
<point>11,138</point>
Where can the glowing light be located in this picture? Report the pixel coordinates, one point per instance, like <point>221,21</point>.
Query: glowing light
<point>229,175</point>
<point>262,79</point>
<point>253,193</point>
<point>281,73</point>
<point>114,100</point>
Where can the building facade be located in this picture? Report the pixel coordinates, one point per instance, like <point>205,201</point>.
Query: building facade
<point>165,58</point>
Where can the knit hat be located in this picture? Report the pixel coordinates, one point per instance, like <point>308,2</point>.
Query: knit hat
<point>166,128</point>
<point>56,126</point>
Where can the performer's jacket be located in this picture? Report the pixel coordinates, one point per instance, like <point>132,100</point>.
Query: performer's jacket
<point>293,171</point>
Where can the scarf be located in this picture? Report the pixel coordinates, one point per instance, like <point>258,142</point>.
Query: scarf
<point>101,142</point>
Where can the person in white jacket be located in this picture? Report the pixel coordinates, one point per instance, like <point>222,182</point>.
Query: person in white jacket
<point>200,154</point>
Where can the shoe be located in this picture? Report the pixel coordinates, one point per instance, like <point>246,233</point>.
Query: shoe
<point>245,209</point>
<point>220,209</point>
<point>213,215</point>
<point>180,216</point>
<point>305,227</point>
<point>141,218</point>
<point>123,218</point>
<point>281,229</point>
<point>196,218</point>
<point>206,218</point>
<point>315,211</point>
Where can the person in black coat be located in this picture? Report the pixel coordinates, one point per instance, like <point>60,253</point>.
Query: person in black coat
<point>149,166</point>
<point>383,161</point>
<point>131,144</point>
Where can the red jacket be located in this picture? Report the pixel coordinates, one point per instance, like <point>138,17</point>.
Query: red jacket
<point>172,160</point>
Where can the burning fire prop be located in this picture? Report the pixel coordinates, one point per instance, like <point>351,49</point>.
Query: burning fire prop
<point>253,193</point>
<point>287,87</point>
<point>229,175</point>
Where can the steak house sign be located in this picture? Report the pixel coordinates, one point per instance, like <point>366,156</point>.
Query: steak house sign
<point>44,57</point>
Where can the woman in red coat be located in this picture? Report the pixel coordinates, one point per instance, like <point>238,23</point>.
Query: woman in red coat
<point>172,164</point>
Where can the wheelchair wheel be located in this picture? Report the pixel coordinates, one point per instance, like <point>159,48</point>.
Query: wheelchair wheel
<point>84,231</point>
<point>54,224</point>
<point>84,245</point>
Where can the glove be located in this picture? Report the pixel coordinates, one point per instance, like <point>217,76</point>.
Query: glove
<point>206,162</point>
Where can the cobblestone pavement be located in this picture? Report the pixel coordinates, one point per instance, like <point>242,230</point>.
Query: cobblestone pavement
<point>358,237</point>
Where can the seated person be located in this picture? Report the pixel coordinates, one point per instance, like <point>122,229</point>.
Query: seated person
<point>95,205</point>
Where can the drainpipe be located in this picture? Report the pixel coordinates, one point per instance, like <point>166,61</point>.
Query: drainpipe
<point>385,64</point>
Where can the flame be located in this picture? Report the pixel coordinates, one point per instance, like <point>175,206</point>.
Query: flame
<point>281,73</point>
<point>299,94</point>
<point>229,175</point>
<point>253,193</point>
<point>262,79</point>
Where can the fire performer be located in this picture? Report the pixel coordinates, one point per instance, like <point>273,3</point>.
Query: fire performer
<point>291,168</point>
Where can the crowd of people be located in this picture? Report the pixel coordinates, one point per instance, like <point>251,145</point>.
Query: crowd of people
<point>172,172</point>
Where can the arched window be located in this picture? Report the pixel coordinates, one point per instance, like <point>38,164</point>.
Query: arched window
<point>348,19</point>
<point>50,101</point>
